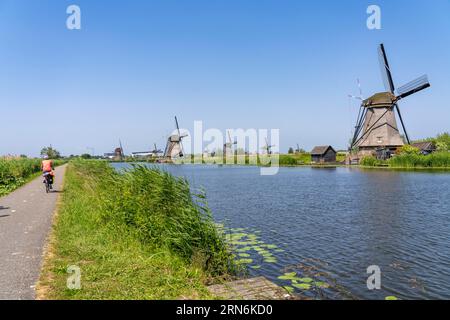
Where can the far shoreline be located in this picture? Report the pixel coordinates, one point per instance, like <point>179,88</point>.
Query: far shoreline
<point>316,166</point>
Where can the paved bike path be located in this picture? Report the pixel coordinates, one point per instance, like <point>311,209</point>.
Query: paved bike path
<point>25,221</point>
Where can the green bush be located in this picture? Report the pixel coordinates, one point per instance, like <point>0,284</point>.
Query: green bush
<point>15,172</point>
<point>408,149</point>
<point>370,161</point>
<point>434,160</point>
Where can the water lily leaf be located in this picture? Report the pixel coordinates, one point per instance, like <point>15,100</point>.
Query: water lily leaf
<point>302,286</point>
<point>245,255</point>
<point>322,285</point>
<point>271,246</point>
<point>255,267</point>
<point>289,289</point>
<point>270,260</point>
<point>391,298</point>
<point>244,261</point>
<point>288,276</point>
<point>306,280</point>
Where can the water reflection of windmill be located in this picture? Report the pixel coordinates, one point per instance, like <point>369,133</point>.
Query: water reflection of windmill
<point>228,146</point>
<point>268,147</point>
<point>376,127</point>
<point>174,146</point>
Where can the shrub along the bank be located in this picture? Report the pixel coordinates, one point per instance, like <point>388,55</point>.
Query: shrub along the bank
<point>434,160</point>
<point>411,160</point>
<point>14,172</point>
<point>162,211</point>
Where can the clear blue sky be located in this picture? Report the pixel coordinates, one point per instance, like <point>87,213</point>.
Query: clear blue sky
<point>233,64</point>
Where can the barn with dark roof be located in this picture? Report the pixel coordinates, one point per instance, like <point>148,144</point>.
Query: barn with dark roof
<point>323,154</point>
<point>425,147</point>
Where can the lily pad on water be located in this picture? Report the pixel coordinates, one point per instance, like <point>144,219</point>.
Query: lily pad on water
<point>306,280</point>
<point>244,255</point>
<point>255,267</point>
<point>244,261</point>
<point>391,298</point>
<point>302,286</point>
<point>270,260</point>
<point>321,285</point>
<point>288,276</point>
<point>289,289</point>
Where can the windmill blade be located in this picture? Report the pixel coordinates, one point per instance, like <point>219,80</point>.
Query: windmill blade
<point>360,90</point>
<point>178,127</point>
<point>385,70</point>
<point>412,87</point>
<point>355,97</point>
<point>121,148</point>
<point>403,124</point>
<point>181,149</point>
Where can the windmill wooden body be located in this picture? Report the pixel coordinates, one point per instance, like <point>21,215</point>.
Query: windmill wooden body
<point>268,148</point>
<point>376,130</point>
<point>228,146</point>
<point>174,146</point>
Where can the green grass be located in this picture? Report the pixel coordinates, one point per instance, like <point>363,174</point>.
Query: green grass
<point>137,235</point>
<point>410,161</point>
<point>434,160</point>
<point>16,172</point>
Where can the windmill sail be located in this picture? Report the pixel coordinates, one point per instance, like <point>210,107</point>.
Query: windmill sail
<point>385,70</point>
<point>413,87</point>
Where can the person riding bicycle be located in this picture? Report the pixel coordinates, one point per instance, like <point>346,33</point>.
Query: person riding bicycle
<point>47,168</point>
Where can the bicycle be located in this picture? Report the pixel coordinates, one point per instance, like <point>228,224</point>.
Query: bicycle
<point>48,181</point>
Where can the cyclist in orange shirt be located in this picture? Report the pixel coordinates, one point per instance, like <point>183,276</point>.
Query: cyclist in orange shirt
<point>47,168</point>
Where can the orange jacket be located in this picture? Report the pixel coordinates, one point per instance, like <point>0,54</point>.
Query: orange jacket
<point>47,165</point>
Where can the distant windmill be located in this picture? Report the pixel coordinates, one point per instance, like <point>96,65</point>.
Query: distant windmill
<point>228,146</point>
<point>376,126</point>
<point>298,148</point>
<point>268,147</point>
<point>155,152</point>
<point>174,146</point>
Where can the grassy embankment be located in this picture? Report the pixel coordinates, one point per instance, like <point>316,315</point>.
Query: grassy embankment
<point>15,172</point>
<point>409,157</point>
<point>439,160</point>
<point>141,234</point>
<point>285,160</point>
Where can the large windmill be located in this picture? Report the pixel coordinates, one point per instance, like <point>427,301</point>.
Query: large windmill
<point>376,127</point>
<point>174,146</point>
<point>228,146</point>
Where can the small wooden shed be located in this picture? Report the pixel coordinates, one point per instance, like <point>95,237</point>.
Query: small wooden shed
<point>323,154</point>
<point>425,148</point>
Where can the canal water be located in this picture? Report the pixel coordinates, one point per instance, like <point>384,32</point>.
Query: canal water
<point>326,226</point>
